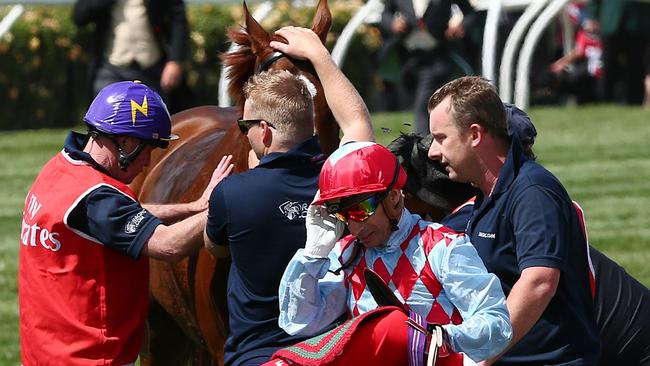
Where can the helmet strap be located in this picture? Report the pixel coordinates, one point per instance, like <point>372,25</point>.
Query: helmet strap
<point>393,222</point>
<point>393,225</point>
<point>124,160</point>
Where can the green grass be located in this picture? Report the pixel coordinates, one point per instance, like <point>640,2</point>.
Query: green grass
<point>601,154</point>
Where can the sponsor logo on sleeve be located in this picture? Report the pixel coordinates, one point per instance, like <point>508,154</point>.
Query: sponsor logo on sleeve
<point>133,224</point>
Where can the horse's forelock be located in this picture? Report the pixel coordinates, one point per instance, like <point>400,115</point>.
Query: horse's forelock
<point>240,63</point>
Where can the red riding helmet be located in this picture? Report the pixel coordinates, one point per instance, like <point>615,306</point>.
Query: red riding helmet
<point>358,168</point>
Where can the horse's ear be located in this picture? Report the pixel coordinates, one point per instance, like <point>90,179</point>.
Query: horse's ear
<point>322,20</point>
<point>260,39</point>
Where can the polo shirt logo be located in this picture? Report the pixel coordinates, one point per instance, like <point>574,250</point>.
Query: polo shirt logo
<point>294,210</point>
<point>487,235</point>
<point>133,224</point>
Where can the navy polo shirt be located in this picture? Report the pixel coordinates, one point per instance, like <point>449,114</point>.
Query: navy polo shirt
<point>529,221</point>
<point>260,214</point>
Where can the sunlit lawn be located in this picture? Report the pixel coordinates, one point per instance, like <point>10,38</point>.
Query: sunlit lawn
<point>601,154</point>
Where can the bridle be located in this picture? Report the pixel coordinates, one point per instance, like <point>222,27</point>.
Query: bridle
<point>267,62</point>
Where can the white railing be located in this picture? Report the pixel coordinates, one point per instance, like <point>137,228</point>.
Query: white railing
<point>512,46</point>
<point>522,87</point>
<point>372,10</point>
<point>490,39</point>
<point>11,17</point>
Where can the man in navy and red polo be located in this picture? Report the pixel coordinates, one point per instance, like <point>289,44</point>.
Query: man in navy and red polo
<point>523,226</point>
<point>621,302</point>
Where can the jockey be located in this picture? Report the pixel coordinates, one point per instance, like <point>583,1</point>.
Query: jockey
<point>433,270</point>
<point>83,273</point>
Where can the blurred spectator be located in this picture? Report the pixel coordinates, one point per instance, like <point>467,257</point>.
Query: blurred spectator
<point>579,72</point>
<point>138,40</point>
<point>419,31</point>
<point>625,31</point>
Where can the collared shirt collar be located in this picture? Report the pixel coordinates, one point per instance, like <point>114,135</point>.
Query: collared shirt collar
<point>73,147</point>
<point>308,151</point>
<point>404,227</point>
<point>510,168</point>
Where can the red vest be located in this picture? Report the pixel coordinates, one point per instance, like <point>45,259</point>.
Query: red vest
<point>81,303</point>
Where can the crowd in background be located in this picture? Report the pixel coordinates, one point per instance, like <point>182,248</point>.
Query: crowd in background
<point>609,61</point>
<point>425,44</point>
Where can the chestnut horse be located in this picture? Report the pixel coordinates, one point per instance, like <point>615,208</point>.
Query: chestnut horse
<point>188,315</point>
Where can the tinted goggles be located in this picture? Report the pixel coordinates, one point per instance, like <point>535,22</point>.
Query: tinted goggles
<point>245,124</point>
<point>359,211</point>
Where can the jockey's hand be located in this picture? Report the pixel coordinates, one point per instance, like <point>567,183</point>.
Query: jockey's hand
<point>439,344</point>
<point>224,169</point>
<point>323,231</point>
<point>302,43</point>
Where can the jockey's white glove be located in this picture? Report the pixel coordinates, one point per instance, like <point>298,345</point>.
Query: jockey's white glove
<point>323,231</point>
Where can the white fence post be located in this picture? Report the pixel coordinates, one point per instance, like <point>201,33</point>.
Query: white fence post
<point>523,68</point>
<point>11,17</point>
<point>490,39</point>
<point>511,47</point>
<point>343,43</point>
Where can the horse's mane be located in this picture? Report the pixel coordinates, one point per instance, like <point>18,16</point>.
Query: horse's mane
<point>427,179</point>
<point>240,62</point>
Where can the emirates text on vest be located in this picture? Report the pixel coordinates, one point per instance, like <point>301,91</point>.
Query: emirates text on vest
<point>31,234</point>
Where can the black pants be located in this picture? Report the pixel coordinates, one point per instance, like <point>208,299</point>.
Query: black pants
<point>624,67</point>
<point>108,74</point>
<point>430,71</point>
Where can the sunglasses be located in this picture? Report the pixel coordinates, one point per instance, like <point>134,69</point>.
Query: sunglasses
<point>359,211</point>
<point>245,124</point>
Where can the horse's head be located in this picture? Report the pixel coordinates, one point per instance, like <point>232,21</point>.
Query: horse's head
<point>255,55</point>
<point>428,189</point>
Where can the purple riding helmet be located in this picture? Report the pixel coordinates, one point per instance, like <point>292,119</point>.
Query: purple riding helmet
<point>130,108</point>
<point>133,109</point>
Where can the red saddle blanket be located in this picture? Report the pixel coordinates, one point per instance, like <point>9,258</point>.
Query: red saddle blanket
<point>324,348</point>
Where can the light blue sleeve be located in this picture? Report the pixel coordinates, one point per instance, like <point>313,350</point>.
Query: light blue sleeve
<point>311,298</point>
<point>486,329</point>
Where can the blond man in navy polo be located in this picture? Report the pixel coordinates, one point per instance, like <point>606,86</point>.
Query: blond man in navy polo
<point>258,216</point>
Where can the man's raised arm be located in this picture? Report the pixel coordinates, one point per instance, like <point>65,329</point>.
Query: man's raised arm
<point>346,104</point>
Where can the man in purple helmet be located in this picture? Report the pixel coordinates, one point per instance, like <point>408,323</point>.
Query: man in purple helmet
<point>83,266</point>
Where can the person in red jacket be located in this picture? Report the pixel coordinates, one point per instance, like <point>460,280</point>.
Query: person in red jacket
<point>83,272</point>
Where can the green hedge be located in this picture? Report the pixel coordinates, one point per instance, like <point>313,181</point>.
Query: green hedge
<point>44,66</point>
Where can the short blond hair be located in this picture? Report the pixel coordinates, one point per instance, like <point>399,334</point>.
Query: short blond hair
<point>282,98</point>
